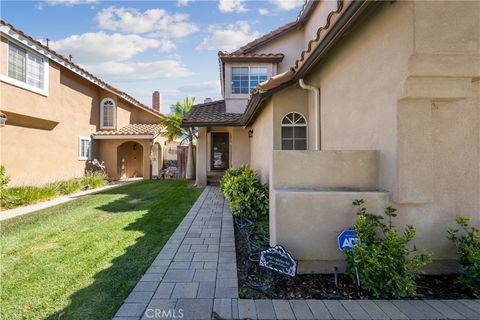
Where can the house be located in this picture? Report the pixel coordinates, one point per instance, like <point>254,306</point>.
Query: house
<point>354,100</point>
<point>60,117</point>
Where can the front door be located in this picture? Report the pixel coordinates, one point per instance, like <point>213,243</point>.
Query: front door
<point>219,156</point>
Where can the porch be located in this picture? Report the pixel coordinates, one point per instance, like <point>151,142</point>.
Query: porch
<point>134,151</point>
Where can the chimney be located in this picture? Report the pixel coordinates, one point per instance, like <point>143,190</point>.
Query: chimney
<point>156,101</point>
<point>207,100</point>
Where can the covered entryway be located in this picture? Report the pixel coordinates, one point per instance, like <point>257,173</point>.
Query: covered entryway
<point>130,160</point>
<point>131,152</point>
<point>220,152</point>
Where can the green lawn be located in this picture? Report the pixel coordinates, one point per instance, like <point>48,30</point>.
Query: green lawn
<point>80,259</point>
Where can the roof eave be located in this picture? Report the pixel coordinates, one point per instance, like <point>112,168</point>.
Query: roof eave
<point>210,124</point>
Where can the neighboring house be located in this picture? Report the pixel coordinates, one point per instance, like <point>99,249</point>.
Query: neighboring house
<point>364,100</point>
<point>60,116</point>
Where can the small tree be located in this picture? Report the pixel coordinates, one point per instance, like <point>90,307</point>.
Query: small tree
<point>172,124</point>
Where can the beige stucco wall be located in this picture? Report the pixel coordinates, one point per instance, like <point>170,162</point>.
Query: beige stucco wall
<point>404,83</point>
<point>44,147</point>
<point>261,143</point>
<point>137,161</point>
<point>289,44</point>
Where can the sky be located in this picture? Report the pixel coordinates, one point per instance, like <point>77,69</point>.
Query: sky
<point>143,46</point>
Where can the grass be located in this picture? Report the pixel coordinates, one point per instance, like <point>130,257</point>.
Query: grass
<point>19,196</point>
<point>80,259</point>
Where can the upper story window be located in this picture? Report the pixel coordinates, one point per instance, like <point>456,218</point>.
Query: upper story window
<point>108,114</point>
<point>294,132</point>
<point>245,79</point>
<point>26,69</point>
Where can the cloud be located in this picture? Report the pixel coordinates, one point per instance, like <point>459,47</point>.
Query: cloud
<point>95,47</point>
<point>232,6</point>
<point>200,87</point>
<point>182,3</point>
<point>227,38</point>
<point>286,5</point>
<point>68,3</point>
<point>141,71</point>
<point>263,11</point>
<point>156,21</point>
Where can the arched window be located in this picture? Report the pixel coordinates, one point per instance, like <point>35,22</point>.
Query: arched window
<point>108,114</point>
<point>294,132</point>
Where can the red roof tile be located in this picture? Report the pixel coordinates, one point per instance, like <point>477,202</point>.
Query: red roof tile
<point>133,129</point>
<point>118,92</point>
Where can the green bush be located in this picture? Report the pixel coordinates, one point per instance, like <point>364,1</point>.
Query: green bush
<point>93,180</point>
<point>24,195</point>
<point>247,196</point>
<point>385,265</point>
<point>65,187</point>
<point>468,247</point>
<point>4,179</point>
<point>19,196</point>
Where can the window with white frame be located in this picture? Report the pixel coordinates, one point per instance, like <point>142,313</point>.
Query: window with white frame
<point>25,66</point>
<point>294,132</point>
<point>245,79</point>
<point>107,114</point>
<point>84,148</point>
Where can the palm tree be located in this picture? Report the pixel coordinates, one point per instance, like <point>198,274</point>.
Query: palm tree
<point>172,125</point>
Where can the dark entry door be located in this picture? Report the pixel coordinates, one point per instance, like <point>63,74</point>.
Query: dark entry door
<point>219,157</point>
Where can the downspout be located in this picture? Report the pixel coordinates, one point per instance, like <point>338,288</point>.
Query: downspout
<point>318,124</point>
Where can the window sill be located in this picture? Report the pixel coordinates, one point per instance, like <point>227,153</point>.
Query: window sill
<point>107,128</point>
<point>23,85</point>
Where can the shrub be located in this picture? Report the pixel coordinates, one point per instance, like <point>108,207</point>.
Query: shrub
<point>385,265</point>
<point>247,196</point>
<point>468,247</point>
<point>93,180</point>
<point>4,179</point>
<point>18,196</point>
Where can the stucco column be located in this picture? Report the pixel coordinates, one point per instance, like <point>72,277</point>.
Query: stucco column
<point>201,167</point>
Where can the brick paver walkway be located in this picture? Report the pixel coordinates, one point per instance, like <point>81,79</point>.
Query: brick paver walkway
<point>195,277</point>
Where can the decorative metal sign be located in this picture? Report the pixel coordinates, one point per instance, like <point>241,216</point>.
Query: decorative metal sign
<point>279,260</point>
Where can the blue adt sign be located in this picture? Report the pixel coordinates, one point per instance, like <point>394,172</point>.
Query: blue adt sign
<point>347,239</point>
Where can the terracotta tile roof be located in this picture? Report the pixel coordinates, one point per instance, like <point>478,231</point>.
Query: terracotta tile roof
<point>320,34</point>
<point>225,56</point>
<point>133,129</point>
<point>211,113</point>
<point>82,71</point>
<point>303,15</point>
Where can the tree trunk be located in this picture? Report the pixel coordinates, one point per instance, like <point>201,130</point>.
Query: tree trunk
<point>190,170</point>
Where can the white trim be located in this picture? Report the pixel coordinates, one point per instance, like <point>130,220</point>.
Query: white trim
<point>290,125</point>
<point>114,114</point>
<point>246,95</point>
<point>123,136</point>
<point>80,139</point>
<point>25,85</point>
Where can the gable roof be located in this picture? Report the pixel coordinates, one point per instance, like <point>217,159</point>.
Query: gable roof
<point>211,114</point>
<point>304,14</point>
<point>44,50</point>
<point>338,23</point>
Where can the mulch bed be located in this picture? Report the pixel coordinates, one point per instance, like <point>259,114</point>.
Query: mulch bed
<point>256,282</point>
